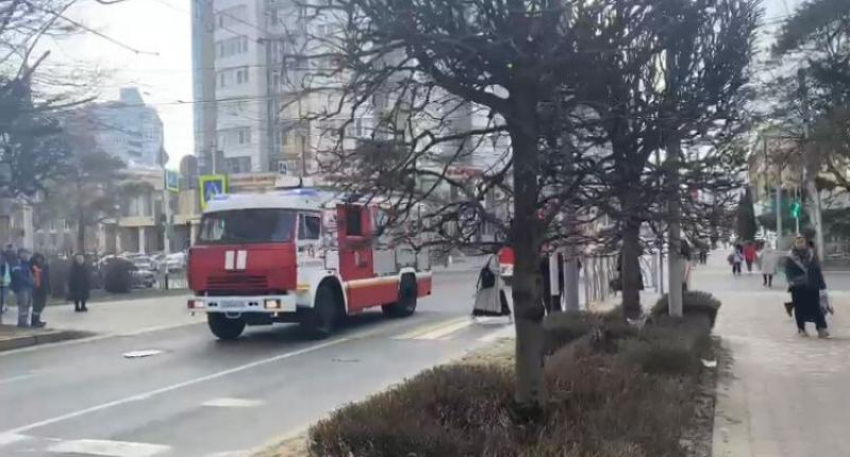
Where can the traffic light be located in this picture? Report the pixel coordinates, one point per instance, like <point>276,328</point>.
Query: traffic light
<point>795,210</point>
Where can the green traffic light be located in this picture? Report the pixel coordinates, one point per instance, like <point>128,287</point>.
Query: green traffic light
<point>795,209</point>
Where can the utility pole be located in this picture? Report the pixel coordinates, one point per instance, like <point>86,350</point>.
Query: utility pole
<point>765,138</point>
<point>811,167</point>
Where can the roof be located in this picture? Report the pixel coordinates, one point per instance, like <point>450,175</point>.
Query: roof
<point>296,199</point>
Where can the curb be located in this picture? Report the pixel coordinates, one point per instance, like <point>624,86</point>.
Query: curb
<point>53,336</point>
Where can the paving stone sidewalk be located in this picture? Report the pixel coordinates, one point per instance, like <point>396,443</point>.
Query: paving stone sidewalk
<point>103,319</point>
<point>785,395</point>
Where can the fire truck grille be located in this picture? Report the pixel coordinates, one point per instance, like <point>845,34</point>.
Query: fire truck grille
<point>237,282</point>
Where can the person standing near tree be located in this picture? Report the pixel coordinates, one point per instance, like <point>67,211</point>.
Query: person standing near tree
<point>41,288</point>
<point>6,263</point>
<point>78,283</point>
<point>22,286</point>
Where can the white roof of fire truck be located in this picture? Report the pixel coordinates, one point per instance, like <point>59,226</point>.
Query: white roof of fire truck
<point>302,199</point>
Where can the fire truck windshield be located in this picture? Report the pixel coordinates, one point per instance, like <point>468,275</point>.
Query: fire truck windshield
<point>248,226</point>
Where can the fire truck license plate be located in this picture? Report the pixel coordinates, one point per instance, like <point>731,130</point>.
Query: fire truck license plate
<point>230,304</point>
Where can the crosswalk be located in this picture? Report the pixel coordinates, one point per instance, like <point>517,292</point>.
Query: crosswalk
<point>454,328</point>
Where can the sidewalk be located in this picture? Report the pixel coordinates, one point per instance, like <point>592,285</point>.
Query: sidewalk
<point>119,318</point>
<point>784,396</point>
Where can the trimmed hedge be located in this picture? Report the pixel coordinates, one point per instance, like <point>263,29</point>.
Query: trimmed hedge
<point>631,402</point>
<point>694,302</point>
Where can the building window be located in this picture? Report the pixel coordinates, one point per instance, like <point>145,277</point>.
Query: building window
<point>232,16</point>
<point>232,46</point>
<point>239,165</point>
<point>244,136</point>
<point>242,75</point>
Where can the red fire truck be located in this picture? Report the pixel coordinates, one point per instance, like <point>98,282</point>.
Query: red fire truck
<point>297,256</point>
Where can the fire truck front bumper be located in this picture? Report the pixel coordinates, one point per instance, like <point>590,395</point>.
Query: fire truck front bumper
<point>269,304</point>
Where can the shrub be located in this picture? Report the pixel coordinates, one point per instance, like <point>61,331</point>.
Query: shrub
<point>693,302</point>
<point>669,347</point>
<point>564,328</point>
<point>118,276</point>
<point>446,411</point>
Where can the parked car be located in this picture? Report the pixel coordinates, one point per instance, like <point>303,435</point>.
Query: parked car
<point>143,278</point>
<point>144,263</point>
<point>176,261</point>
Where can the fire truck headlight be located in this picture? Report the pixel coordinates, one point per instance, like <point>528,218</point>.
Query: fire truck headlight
<point>196,304</point>
<point>272,304</point>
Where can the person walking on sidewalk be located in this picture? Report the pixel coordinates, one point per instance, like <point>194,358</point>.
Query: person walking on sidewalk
<point>769,263</point>
<point>750,256</point>
<point>41,288</point>
<point>736,258</point>
<point>22,285</point>
<point>806,284</point>
<point>78,283</point>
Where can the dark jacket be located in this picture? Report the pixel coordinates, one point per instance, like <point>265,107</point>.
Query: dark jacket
<point>78,282</point>
<point>21,277</point>
<point>802,270</point>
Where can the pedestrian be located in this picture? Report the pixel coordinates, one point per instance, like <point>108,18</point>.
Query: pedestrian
<point>806,284</point>
<point>6,262</point>
<point>490,297</point>
<point>22,285</point>
<point>750,255</point>
<point>736,258</point>
<point>769,262</point>
<point>78,283</point>
<point>41,288</point>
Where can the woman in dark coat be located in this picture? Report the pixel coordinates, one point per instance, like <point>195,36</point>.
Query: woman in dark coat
<point>805,282</point>
<point>78,283</point>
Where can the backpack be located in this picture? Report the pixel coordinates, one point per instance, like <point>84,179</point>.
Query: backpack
<point>486,279</point>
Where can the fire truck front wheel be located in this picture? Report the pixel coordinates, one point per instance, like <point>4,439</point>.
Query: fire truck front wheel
<point>224,328</point>
<point>322,319</point>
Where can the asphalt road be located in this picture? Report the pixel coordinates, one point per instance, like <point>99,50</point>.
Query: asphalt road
<point>200,398</point>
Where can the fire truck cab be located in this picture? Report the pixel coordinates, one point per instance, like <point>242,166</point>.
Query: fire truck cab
<point>298,256</point>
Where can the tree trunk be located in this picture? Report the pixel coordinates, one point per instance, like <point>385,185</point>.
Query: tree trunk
<point>814,211</point>
<point>630,270</point>
<point>81,231</point>
<point>674,260</point>
<point>525,241</point>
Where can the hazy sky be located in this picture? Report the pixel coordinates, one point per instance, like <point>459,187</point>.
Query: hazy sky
<point>162,69</point>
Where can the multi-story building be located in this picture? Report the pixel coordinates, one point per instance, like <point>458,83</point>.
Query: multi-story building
<point>127,128</point>
<point>247,78</point>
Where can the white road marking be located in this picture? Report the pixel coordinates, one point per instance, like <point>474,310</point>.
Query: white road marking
<point>141,354</point>
<point>446,330</point>
<point>10,438</point>
<point>173,387</point>
<point>22,377</point>
<point>96,338</point>
<point>108,448</point>
<point>232,403</point>
<point>507,332</point>
<point>422,330</point>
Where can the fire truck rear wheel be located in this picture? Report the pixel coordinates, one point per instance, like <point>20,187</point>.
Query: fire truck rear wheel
<point>407,298</point>
<point>224,328</point>
<point>322,319</point>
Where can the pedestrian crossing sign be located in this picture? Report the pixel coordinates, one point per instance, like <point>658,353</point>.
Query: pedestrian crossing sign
<point>210,186</point>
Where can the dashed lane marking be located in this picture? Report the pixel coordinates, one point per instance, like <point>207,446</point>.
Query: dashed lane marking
<point>108,448</point>
<point>174,387</point>
<point>232,403</point>
<point>11,438</point>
